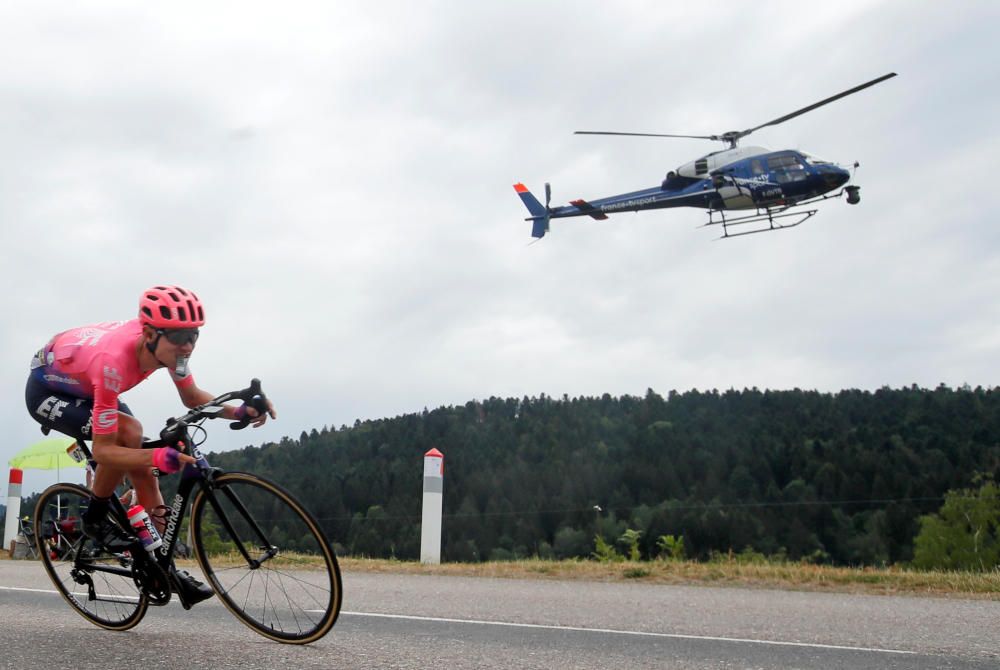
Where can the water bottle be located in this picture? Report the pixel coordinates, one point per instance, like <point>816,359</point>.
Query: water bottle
<point>144,528</point>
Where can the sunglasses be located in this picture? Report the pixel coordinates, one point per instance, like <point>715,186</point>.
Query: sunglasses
<point>180,336</point>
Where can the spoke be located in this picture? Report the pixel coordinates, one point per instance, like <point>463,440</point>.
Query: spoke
<point>292,607</point>
<point>286,596</point>
<point>288,602</point>
<point>299,580</point>
<point>312,587</point>
<point>247,599</point>
<point>264,602</point>
<point>67,553</point>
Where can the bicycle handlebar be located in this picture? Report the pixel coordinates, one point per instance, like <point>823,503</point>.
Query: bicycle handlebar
<point>251,395</point>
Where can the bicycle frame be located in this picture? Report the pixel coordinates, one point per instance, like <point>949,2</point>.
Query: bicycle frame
<point>197,476</point>
<point>191,475</point>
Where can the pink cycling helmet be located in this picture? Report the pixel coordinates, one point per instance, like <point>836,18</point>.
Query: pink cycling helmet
<point>171,307</point>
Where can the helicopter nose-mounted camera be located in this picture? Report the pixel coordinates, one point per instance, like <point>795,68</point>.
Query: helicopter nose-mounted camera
<point>853,194</point>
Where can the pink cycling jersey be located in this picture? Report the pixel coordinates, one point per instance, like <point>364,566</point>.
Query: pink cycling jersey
<point>99,362</point>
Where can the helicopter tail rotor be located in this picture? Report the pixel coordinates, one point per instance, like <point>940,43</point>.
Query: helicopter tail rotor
<point>539,214</point>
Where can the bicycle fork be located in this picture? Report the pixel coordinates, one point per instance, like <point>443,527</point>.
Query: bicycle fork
<point>270,551</point>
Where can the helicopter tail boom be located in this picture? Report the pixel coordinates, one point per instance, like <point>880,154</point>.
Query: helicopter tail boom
<point>588,209</point>
<point>539,213</point>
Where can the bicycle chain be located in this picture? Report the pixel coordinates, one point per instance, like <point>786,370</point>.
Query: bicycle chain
<point>151,579</point>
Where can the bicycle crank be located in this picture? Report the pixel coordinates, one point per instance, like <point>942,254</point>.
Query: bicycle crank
<point>151,580</point>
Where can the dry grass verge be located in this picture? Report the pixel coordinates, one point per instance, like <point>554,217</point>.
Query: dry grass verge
<point>732,572</point>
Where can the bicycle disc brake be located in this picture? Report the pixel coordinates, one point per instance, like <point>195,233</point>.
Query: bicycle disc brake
<point>151,579</point>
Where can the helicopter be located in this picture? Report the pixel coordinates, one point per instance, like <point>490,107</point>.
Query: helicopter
<point>779,185</point>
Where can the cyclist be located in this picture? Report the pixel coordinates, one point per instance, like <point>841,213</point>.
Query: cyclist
<point>74,387</point>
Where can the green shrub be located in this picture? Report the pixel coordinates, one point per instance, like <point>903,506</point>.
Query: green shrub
<point>636,573</point>
<point>630,541</point>
<point>569,543</point>
<point>964,534</point>
<point>604,552</point>
<point>671,548</point>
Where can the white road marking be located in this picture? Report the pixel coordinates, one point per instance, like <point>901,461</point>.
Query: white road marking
<point>609,631</point>
<point>612,631</point>
<point>107,597</point>
<point>17,588</point>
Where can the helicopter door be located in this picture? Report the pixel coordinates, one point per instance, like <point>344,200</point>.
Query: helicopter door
<point>733,191</point>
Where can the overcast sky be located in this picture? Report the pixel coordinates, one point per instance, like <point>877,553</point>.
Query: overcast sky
<point>334,180</point>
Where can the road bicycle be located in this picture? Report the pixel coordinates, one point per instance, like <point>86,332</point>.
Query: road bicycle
<point>261,551</point>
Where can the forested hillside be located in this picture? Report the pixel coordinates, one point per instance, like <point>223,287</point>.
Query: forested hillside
<point>839,478</point>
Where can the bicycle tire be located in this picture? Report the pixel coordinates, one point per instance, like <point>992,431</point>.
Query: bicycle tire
<point>98,585</point>
<point>294,594</point>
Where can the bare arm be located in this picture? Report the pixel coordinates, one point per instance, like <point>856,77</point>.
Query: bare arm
<point>109,451</point>
<point>192,396</point>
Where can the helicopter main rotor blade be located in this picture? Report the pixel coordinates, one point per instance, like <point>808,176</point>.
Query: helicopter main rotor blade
<point>813,106</point>
<point>608,132</point>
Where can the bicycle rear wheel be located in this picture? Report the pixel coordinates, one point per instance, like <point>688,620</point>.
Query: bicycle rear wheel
<point>97,584</point>
<point>266,558</point>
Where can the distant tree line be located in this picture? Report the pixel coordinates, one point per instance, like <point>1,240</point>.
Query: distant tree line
<point>834,478</point>
<point>839,478</point>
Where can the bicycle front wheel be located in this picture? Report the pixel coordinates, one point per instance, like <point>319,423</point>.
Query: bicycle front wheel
<point>99,585</point>
<point>266,558</point>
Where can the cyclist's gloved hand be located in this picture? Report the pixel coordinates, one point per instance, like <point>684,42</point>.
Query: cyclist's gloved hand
<point>168,460</point>
<point>250,414</point>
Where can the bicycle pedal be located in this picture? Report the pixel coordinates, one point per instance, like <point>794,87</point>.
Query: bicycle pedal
<point>183,597</point>
<point>175,587</point>
<point>151,579</point>
<point>160,600</point>
<point>158,596</point>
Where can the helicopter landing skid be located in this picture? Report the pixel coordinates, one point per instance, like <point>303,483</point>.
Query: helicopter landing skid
<point>775,221</point>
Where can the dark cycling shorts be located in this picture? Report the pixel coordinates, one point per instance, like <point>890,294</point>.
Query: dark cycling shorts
<point>61,411</point>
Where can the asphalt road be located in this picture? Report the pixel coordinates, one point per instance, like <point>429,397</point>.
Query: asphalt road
<point>399,621</point>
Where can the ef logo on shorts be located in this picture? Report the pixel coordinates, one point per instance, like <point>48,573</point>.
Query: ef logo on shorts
<point>51,408</point>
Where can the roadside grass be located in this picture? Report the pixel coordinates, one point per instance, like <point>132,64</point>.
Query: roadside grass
<point>718,572</point>
<point>729,571</point>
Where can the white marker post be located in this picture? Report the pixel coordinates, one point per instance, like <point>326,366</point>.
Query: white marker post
<point>430,525</point>
<point>10,527</point>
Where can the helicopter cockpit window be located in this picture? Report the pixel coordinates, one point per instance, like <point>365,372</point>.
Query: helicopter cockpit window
<point>784,161</point>
<point>812,160</point>
<point>757,167</point>
<point>786,168</point>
